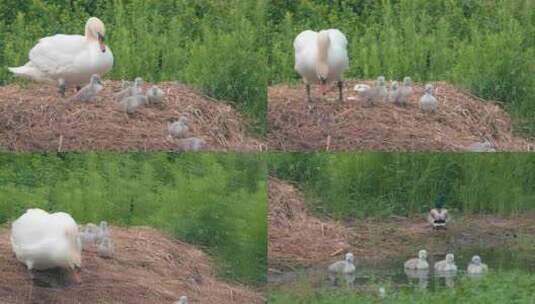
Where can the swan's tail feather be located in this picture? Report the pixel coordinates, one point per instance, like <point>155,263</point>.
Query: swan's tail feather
<point>28,71</point>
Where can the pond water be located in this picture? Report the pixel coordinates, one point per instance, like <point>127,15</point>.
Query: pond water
<point>391,271</point>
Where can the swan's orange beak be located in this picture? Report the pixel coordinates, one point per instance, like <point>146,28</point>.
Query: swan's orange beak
<point>101,43</point>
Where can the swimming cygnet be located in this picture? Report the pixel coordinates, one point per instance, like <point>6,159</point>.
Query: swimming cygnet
<point>447,265</point>
<point>179,129</point>
<point>394,92</point>
<point>419,263</point>
<point>476,267</point>
<point>90,91</point>
<point>155,95</point>
<point>192,144</point>
<point>130,104</point>
<point>345,267</point>
<point>106,248</point>
<point>132,90</point>
<point>405,92</point>
<point>182,300</point>
<point>428,103</point>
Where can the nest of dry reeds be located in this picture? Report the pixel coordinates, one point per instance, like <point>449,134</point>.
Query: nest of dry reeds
<point>297,237</point>
<point>147,268</point>
<point>326,124</point>
<point>37,119</point>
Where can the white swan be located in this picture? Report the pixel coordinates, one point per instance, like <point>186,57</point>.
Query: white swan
<point>69,60</point>
<point>476,267</point>
<point>419,263</point>
<point>44,241</point>
<point>321,57</point>
<point>447,265</point>
<point>345,267</point>
<point>428,102</point>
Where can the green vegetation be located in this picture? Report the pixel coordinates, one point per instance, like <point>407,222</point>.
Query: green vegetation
<point>381,184</point>
<point>215,201</point>
<point>487,47</point>
<point>217,46</point>
<point>500,287</point>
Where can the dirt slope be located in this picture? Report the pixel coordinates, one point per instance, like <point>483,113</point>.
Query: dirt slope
<point>148,268</point>
<point>36,119</point>
<point>295,236</point>
<point>461,120</point>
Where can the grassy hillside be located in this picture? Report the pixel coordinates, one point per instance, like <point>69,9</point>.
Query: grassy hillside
<point>382,184</point>
<point>217,202</point>
<point>216,46</point>
<point>487,47</point>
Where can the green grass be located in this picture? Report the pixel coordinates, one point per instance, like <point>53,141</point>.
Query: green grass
<point>216,46</point>
<point>346,185</point>
<point>214,201</point>
<point>487,46</point>
<point>501,287</point>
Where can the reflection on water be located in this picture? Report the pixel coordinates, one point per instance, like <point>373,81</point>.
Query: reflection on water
<point>392,271</point>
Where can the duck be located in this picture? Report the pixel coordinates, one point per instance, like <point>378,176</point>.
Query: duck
<point>344,267</point>
<point>405,92</point>
<point>476,266</point>
<point>90,91</point>
<point>69,60</point>
<point>394,92</point>
<point>438,217</point>
<point>321,57</point>
<point>428,102</point>
<point>446,265</point>
<point>180,128</point>
<point>192,144</point>
<point>106,248</point>
<point>376,94</point>
<point>182,300</point>
<point>419,263</point>
<point>131,90</point>
<point>42,241</point>
<point>130,104</point>
<point>155,95</point>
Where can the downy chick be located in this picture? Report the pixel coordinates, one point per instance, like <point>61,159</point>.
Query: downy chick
<point>90,91</point>
<point>428,103</point>
<point>155,95</point>
<point>192,144</point>
<point>405,92</point>
<point>180,128</point>
<point>106,248</point>
<point>132,90</point>
<point>130,104</point>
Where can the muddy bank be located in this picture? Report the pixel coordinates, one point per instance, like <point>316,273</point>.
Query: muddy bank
<point>148,268</point>
<point>462,119</point>
<point>299,239</point>
<point>35,118</point>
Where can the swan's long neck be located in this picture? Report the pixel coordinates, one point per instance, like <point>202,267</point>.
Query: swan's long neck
<point>323,46</point>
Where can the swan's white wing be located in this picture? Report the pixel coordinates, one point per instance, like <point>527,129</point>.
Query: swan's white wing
<point>303,39</point>
<point>337,37</point>
<point>56,55</point>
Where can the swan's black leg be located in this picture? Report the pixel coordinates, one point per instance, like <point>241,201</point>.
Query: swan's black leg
<point>62,87</point>
<point>340,90</point>
<point>308,93</point>
<point>78,88</point>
